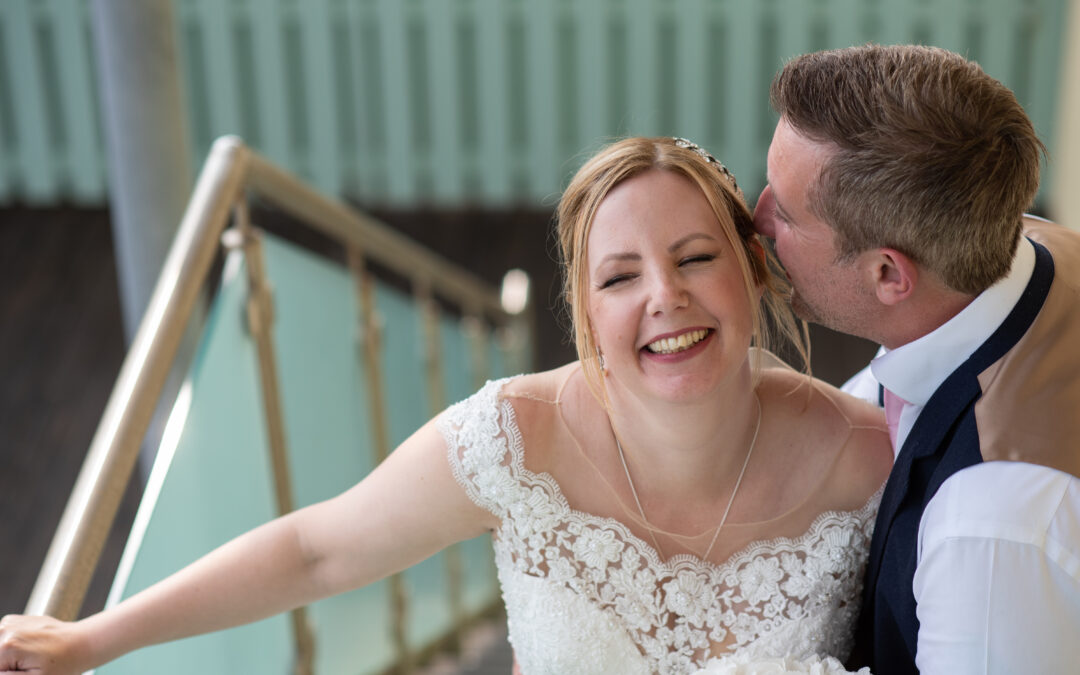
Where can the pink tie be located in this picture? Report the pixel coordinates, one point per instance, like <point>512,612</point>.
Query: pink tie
<point>893,405</point>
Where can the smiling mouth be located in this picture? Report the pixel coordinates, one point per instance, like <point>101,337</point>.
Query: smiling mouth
<point>677,344</point>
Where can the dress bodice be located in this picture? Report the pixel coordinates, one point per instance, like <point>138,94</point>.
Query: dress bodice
<point>583,594</point>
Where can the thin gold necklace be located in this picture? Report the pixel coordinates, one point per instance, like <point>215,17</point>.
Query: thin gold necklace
<point>731,500</point>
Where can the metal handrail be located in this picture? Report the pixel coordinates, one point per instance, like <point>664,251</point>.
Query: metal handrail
<point>230,172</point>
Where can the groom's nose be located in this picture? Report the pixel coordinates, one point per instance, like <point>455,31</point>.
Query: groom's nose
<point>764,213</point>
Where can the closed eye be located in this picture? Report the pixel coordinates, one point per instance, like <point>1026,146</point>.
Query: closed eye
<point>617,279</point>
<point>779,214</point>
<point>702,258</point>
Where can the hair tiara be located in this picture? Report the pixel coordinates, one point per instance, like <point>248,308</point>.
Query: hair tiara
<point>690,145</point>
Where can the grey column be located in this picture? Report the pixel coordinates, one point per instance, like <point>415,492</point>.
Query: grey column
<point>150,175</point>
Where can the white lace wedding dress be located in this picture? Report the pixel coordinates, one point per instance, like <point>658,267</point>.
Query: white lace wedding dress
<point>583,594</point>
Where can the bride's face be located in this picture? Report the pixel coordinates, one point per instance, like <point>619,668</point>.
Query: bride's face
<point>667,303</point>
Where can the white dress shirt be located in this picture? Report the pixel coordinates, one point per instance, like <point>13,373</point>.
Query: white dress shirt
<point>997,583</point>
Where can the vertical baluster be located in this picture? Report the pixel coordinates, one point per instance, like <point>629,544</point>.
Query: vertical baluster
<point>371,346</point>
<point>436,395</point>
<point>260,317</point>
<point>477,332</point>
<point>472,324</point>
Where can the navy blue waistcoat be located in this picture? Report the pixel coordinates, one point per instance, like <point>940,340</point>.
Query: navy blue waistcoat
<point>944,440</point>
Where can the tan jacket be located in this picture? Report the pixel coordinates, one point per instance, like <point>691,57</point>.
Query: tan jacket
<point>1030,407</point>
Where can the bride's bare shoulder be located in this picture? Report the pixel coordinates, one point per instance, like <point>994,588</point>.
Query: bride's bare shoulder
<point>544,386</point>
<point>833,429</point>
<point>538,400</point>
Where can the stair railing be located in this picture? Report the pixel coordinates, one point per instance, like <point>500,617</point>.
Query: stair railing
<point>231,175</point>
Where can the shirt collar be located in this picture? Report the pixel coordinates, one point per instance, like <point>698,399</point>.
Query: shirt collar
<point>914,371</point>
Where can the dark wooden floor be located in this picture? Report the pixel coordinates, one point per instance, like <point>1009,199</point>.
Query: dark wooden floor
<point>61,346</point>
<point>60,350</point>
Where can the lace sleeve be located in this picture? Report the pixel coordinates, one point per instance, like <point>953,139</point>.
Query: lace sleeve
<point>481,444</point>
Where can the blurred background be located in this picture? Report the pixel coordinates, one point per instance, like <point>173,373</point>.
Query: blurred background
<point>454,122</point>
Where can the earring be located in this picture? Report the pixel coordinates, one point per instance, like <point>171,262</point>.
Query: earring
<point>600,360</point>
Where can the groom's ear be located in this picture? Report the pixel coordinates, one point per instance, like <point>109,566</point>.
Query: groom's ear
<point>894,275</point>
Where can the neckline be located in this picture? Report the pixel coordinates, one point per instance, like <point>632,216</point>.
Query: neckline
<point>681,561</point>
<point>557,402</point>
<point>653,530</point>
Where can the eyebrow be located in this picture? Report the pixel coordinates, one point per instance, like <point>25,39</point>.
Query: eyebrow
<point>693,236</point>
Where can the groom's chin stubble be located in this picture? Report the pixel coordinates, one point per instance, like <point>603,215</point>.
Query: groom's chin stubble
<point>802,309</point>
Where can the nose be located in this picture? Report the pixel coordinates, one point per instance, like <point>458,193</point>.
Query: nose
<point>764,212</point>
<point>667,293</point>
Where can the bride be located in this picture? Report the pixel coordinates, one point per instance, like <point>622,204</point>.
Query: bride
<point>666,499</point>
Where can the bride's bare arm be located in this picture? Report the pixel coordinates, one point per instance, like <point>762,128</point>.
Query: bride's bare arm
<point>409,508</point>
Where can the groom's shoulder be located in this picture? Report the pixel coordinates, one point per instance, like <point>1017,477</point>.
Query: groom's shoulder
<point>1061,240</point>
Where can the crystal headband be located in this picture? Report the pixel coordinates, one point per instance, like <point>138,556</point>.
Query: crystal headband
<point>690,145</point>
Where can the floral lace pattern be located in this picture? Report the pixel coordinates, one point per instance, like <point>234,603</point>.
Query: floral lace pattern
<point>584,593</point>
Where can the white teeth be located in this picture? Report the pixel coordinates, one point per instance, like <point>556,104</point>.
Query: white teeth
<point>672,345</point>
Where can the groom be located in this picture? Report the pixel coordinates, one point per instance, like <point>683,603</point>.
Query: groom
<point>898,179</point>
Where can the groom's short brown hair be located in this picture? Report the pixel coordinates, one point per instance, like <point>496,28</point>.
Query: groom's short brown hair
<point>932,156</point>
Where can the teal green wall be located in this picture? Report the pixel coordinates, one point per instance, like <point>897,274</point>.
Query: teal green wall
<point>489,103</point>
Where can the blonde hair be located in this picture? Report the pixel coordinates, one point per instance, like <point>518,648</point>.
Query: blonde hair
<point>630,157</point>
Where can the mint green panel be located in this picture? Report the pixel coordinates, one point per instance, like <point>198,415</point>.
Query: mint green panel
<point>408,409</point>
<point>480,587</point>
<point>497,359</point>
<point>217,486</point>
<point>480,583</point>
<point>218,483</point>
<point>459,372</point>
<point>327,424</point>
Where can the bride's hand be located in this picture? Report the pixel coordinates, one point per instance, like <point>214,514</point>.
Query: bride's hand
<point>41,645</point>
